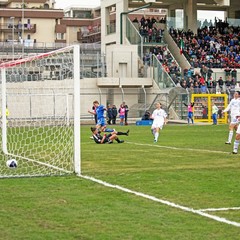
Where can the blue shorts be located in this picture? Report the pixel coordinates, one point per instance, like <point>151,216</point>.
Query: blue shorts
<point>121,116</point>
<point>190,115</point>
<point>101,122</point>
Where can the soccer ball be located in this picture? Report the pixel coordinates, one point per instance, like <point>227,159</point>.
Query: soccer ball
<point>12,163</point>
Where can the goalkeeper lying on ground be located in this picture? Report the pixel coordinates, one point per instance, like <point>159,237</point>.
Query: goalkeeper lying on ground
<point>107,138</point>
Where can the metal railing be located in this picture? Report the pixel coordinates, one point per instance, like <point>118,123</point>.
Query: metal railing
<point>160,76</point>
<point>19,27</point>
<point>134,36</point>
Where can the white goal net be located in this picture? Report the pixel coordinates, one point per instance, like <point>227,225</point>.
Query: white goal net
<point>40,114</point>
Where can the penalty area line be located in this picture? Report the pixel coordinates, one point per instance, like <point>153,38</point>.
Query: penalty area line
<point>219,209</point>
<point>171,204</point>
<point>177,148</point>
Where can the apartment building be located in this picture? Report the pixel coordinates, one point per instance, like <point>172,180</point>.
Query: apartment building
<point>38,23</point>
<point>34,21</point>
<point>82,24</point>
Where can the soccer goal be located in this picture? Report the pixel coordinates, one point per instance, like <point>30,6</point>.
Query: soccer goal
<point>40,114</point>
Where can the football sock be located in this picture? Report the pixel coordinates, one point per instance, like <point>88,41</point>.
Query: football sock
<point>230,136</point>
<point>235,145</point>
<point>117,139</point>
<point>123,133</point>
<point>153,131</point>
<point>156,136</point>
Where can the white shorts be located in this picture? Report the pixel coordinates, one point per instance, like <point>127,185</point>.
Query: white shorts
<point>233,119</point>
<point>157,125</point>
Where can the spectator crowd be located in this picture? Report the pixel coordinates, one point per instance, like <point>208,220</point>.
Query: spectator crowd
<point>204,81</point>
<point>149,28</point>
<point>214,46</point>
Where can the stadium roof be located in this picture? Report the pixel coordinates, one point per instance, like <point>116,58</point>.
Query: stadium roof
<point>168,3</point>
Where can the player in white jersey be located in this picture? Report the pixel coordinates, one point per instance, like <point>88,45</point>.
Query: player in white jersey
<point>234,108</point>
<point>237,138</point>
<point>159,117</point>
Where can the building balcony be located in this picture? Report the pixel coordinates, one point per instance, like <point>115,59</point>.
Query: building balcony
<point>8,28</point>
<point>89,38</point>
<point>30,28</point>
<point>60,41</point>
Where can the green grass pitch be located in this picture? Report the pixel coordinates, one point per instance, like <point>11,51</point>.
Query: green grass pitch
<point>189,166</point>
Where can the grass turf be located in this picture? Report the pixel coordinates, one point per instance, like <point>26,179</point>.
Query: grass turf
<point>190,166</point>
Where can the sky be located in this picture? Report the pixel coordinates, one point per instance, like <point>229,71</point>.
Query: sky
<point>80,3</point>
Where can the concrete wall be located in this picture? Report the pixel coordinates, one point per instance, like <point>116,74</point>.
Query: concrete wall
<point>122,61</point>
<point>46,26</point>
<point>113,38</point>
<point>71,34</point>
<point>45,99</point>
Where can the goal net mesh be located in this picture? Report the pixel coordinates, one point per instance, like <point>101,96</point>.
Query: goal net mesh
<point>37,114</point>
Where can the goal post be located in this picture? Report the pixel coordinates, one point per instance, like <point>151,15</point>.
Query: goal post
<point>40,114</point>
<point>4,117</point>
<point>76,75</point>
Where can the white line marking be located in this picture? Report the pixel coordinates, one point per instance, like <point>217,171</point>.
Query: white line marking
<point>178,148</point>
<point>199,212</point>
<point>218,209</point>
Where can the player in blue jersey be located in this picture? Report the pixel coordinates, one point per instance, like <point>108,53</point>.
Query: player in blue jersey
<point>101,123</point>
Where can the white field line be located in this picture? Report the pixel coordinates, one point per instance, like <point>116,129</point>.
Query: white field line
<point>169,147</point>
<point>219,209</point>
<point>200,212</point>
<point>171,204</point>
<point>177,148</point>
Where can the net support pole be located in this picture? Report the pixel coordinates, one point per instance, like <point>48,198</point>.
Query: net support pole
<point>76,77</point>
<point>67,110</point>
<point>4,104</point>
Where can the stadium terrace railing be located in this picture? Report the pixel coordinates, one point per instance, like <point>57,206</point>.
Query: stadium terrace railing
<point>160,76</point>
<point>134,36</point>
<point>93,63</point>
<point>45,47</point>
